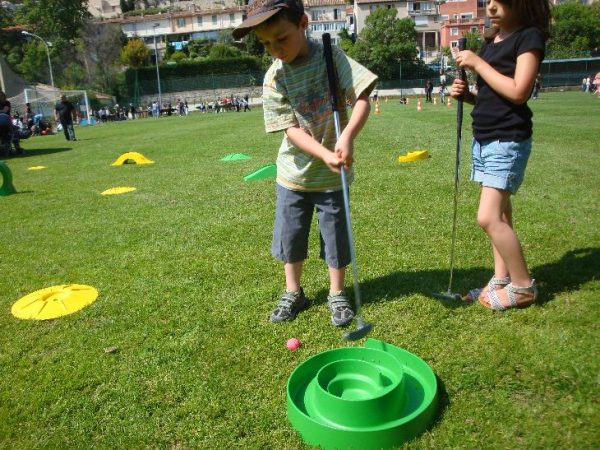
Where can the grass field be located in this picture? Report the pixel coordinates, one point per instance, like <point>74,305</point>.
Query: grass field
<point>186,285</point>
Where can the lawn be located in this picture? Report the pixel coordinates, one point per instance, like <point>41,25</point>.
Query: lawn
<point>186,285</point>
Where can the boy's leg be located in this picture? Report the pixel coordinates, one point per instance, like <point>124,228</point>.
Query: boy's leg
<point>293,273</point>
<point>293,216</point>
<point>335,250</point>
<point>336,279</point>
<point>493,206</point>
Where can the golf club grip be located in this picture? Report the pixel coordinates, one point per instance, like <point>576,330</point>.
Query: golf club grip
<point>462,45</point>
<point>330,70</point>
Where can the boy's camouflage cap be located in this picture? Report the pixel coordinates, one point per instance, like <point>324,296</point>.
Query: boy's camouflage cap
<point>261,10</point>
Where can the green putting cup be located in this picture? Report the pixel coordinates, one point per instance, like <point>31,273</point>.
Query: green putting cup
<point>358,393</point>
<point>372,397</point>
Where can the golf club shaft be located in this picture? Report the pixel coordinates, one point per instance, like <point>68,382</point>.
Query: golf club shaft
<point>459,119</point>
<point>336,118</point>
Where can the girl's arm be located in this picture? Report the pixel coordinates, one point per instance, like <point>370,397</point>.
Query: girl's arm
<point>460,89</point>
<point>517,89</point>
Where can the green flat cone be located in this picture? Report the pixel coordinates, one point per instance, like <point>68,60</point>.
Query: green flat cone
<point>235,157</point>
<point>268,171</point>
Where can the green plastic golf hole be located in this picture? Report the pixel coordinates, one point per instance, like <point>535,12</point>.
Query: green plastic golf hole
<point>372,397</point>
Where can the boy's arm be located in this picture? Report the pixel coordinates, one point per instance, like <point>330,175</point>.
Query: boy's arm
<point>305,142</point>
<point>358,118</point>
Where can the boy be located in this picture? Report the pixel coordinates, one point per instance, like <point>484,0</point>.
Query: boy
<point>296,100</point>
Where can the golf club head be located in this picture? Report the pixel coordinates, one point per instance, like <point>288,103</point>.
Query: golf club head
<point>360,332</point>
<point>447,296</point>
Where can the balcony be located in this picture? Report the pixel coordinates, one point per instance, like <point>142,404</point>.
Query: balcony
<point>423,12</point>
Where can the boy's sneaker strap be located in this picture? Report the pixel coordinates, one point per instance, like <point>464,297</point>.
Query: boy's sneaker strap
<point>290,304</point>
<point>341,311</point>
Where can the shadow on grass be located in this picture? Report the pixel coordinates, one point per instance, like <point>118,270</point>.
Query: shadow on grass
<point>43,151</point>
<point>573,269</point>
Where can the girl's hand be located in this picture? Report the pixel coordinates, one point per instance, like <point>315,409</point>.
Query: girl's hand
<point>458,88</point>
<point>344,151</point>
<point>467,60</point>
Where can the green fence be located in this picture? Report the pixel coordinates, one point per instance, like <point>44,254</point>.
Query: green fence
<point>555,73</point>
<point>200,82</point>
<point>567,72</point>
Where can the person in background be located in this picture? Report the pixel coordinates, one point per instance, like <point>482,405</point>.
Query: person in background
<point>9,135</point>
<point>64,112</point>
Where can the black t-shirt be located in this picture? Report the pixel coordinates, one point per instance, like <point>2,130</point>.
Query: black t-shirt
<point>65,111</point>
<point>495,117</point>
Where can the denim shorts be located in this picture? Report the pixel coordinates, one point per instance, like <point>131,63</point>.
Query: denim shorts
<point>500,165</point>
<point>293,218</point>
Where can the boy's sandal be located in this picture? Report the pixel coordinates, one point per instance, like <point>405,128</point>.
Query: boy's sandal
<point>528,295</point>
<point>479,293</point>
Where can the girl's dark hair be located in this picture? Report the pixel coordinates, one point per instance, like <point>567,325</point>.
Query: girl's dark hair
<point>531,13</point>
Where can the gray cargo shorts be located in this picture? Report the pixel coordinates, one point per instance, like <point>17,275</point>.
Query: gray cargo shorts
<point>293,217</point>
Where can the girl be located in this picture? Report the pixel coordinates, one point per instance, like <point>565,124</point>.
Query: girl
<point>507,66</point>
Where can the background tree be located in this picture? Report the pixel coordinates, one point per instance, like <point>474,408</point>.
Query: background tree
<point>253,46</point>
<point>135,53</point>
<point>58,21</point>
<point>221,51</point>
<point>384,41</point>
<point>199,48</point>
<point>575,30</point>
<point>473,40</point>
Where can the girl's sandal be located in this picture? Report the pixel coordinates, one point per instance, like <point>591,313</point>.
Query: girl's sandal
<point>481,293</point>
<point>526,297</point>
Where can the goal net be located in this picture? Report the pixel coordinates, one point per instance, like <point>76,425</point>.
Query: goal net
<point>42,101</point>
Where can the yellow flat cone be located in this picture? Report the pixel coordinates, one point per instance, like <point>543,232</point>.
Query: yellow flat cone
<point>414,156</point>
<point>118,190</point>
<point>53,302</point>
<point>36,167</point>
<point>132,158</point>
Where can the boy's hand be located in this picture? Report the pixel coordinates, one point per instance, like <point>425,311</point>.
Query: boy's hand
<point>344,150</point>
<point>458,88</point>
<point>332,160</point>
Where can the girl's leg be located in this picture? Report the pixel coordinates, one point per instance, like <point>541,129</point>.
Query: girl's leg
<point>336,279</point>
<point>495,217</point>
<point>500,269</point>
<point>293,273</point>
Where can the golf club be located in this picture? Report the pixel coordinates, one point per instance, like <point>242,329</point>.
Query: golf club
<point>459,118</point>
<point>362,328</point>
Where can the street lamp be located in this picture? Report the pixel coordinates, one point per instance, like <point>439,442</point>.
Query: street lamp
<point>47,44</point>
<point>156,60</point>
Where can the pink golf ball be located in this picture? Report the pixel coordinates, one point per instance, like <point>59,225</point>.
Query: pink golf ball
<point>293,344</point>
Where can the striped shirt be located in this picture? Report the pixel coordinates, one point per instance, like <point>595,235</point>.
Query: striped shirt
<point>297,94</point>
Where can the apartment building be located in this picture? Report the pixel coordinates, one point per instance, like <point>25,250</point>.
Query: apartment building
<point>459,17</point>
<point>425,14</point>
<point>327,16</point>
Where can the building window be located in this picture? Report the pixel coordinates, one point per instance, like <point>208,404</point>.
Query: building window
<point>231,18</point>
<point>474,29</point>
<point>453,31</point>
<point>335,14</point>
<point>199,20</point>
<point>214,20</point>
<point>181,22</point>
